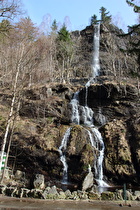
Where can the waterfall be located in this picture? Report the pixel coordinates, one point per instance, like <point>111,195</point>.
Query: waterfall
<point>62,151</point>
<point>75,112</point>
<point>96,44</point>
<point>84,115</point>
<point>99,161</point>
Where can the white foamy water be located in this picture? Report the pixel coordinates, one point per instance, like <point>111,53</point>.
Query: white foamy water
<point>62,151</point>
<point>84,115</point>
<point>96,45</point>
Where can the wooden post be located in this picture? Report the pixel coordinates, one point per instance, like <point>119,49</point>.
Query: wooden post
<point>124,193</point>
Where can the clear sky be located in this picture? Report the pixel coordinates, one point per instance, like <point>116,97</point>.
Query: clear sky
<point>77,13</point>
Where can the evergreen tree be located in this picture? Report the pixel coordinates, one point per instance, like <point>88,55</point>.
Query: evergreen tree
<point>105,18</point>
<point>94,20</point>
<point>54,26</point>
<point>5,27</point>
<point>134,31</point>
<point>135,7</point>
<point>64,53</point>
<point>63,34</point>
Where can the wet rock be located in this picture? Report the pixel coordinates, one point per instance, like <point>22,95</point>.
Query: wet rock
<point>100,118</point>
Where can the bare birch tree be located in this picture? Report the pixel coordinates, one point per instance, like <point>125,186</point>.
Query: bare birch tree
<point>12,103</point>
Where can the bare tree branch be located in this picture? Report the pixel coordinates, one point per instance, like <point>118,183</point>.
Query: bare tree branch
<point>10,8</point>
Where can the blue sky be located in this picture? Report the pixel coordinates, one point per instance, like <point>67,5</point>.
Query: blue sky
<point>77,13</point>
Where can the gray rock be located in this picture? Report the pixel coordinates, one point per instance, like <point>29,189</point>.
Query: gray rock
<point>61,195</point>
<point>39,182</point>
<point>2,189</point>
<point>88,181</point>
<point>74,196</point>
<point>129,196</point>
<point>24,193</point>
<point>118,195</point>
<point>82,195</point>
<point>53,190</point>
<point>51,193</point>
<point>68,194</point>
<point>137,193</point>
<point>19,175</point>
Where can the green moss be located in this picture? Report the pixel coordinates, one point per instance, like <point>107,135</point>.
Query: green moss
<point>93,196</point>
<point>107,196</point>
<point>2,123</point>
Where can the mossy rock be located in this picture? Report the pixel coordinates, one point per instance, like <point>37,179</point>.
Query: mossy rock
<point>61,195</point>
<point>107,196</point>
<point>93,196</point>
<point>52,196</point>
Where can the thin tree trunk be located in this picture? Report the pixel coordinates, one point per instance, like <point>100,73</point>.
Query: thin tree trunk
<point>9,145</point>
<point>12,107</point>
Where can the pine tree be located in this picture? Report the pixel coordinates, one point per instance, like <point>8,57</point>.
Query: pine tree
<point>64,53</point>
<point>54,26</point>
<point>134,31</point>
<point>63,34</point>
<point>94,20</point>
<point>135,7</point>
<point>105,18</point>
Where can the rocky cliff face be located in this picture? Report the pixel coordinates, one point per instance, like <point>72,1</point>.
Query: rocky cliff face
<point>115,61</point>
<point>43,120</point>
<point>44,117</point>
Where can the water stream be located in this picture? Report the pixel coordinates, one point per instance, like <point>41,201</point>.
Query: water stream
<point>85,116</point>
<point>62,151</point>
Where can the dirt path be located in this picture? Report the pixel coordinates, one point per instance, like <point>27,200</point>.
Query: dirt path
<point>8,203</point>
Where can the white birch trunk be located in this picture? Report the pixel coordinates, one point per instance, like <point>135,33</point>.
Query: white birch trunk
<point>12,108</point>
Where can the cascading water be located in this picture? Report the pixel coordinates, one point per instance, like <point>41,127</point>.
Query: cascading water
<point>96,45</point>
<point>98,163</point>
<point>75,112</point>
<point>62,151</point>
<point>84,115</point>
